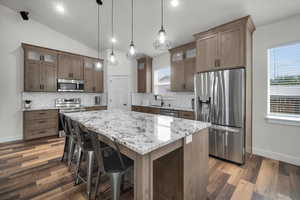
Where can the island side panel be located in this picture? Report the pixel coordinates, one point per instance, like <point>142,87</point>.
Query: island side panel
<point>195,167</point>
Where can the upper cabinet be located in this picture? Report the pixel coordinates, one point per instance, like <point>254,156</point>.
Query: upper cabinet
<point>224,46</point>
<point>183,63</point>
<point>40,69</point>
<point>70,66</point>
<point>43,67</point>
<point>144,75</point>
<point>93,75</point>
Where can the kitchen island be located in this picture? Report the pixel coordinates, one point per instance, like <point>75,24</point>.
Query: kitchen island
<point>170,154</point>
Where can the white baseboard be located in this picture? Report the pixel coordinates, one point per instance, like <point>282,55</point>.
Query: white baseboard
<point>10,139</point>
<point>277,156</point>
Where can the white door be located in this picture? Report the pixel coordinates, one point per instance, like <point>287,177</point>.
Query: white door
<point>118,93</point>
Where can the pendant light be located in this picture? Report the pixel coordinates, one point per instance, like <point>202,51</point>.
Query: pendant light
<point>161,43</point>
<point>98,64</point>
<point>132,50</point>
<point>112,57</point>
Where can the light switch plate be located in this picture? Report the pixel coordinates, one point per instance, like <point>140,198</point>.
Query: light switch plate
<point>188,139</point>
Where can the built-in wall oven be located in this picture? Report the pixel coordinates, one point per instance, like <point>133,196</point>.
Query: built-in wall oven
<point>64,85</point>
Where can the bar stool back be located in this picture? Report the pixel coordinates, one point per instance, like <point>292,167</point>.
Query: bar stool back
<point>84,148</point>
<point>114,165</point>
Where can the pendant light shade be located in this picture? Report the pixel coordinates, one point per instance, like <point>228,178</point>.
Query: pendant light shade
<point>162,43</point>
<point>98,64</point>
<point>132,50</point>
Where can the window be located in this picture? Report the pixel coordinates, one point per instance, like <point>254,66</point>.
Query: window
<point>162,80</point>
<point>284,80</point>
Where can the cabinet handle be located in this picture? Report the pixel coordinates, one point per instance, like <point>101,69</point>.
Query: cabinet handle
<point>217,63</point>
<point>42,122</point>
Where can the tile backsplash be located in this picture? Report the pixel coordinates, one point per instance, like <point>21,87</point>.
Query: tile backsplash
<point>43,99</point>
<point>182,99</point>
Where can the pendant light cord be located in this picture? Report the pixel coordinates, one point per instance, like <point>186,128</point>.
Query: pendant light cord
<point>162,14</point>
<point>112,24</point>
<point>131,21</point>
<point>98,31</point>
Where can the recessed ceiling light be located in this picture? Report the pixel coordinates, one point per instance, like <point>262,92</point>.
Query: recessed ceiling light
<point>60,8</point>
<point>174,3</point>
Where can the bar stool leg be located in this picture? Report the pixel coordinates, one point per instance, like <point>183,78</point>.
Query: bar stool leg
<point>78,162</point>
<point>66,149</point>
<point>89,173</point>
<point>115,179</point>
<point>97,183</point>
<point>71,151</point>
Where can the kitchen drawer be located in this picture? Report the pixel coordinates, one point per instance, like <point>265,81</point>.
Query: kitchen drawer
<point>187,115</point>
<point>33,134</point>
<point>40,114</point>
<point>94,108</point>
<point>41,124</point>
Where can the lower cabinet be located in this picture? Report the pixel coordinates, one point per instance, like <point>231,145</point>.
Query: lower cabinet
<point>95,108</point>
<point>181,114</point>
<point>40,123</point>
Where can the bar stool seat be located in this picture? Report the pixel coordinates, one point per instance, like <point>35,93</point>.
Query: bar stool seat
<point>112,163</point>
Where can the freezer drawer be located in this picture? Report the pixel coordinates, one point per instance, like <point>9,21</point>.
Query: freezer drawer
<point>227,143</point>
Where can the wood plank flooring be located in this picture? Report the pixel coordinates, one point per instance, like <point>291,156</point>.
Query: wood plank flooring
<point>33,170</point>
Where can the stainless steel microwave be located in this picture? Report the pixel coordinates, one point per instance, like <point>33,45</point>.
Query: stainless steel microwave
<point>64,85</point>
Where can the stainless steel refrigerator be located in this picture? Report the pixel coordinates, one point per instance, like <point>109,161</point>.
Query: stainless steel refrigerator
<point>220,99</point>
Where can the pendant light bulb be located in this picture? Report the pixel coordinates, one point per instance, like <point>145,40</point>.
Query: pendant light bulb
<point>132,49</point>
<point>98,65</point>
<point>112,57</point>
<point>162,36</point>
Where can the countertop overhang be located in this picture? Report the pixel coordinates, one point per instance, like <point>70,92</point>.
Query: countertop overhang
<point>140,132</point>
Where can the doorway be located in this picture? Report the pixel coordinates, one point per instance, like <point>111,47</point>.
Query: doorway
<point>119,92</point>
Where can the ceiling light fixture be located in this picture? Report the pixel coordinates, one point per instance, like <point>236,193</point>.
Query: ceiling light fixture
<point>161,43</point>
<point>98,64</point>
<point>174,3</point>
<point>60,8</point>
<point>112,58</point>
<point>132,50</point>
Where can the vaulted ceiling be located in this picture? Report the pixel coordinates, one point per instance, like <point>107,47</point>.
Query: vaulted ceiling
<point>191,16</point>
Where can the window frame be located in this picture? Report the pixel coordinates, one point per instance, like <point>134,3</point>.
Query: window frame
<point>154,78</point>
<point>279,118</point>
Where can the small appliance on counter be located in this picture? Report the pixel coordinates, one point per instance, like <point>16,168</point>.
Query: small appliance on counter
<point>27,104</point>
<point>97,100</point>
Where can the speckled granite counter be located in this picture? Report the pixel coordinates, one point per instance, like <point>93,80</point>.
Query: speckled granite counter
<point>139,132</point>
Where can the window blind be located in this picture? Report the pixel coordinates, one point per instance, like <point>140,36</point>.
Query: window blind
<point>284,79</point>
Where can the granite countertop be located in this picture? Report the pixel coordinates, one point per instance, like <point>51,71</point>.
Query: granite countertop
<point>167,107</point>
<point>140,132</point>
<point>54,107</point>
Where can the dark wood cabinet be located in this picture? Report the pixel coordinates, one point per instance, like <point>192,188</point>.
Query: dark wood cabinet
<point>207,53</point>
<point>183,63</point>
<point>40,69</point>
<point>93,75</point>
<point>95,108</point>
<point>180,113</point>
<point>70,66</point>
<point>40,123</point>
<point>144,75</point>
<point>43,66</point>
<point>224,46</point>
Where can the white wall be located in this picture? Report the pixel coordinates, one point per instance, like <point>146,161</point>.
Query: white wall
<point>272,140</point>
<point>13,32</point>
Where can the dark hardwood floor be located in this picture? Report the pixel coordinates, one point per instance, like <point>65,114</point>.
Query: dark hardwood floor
<point>33,170</point>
